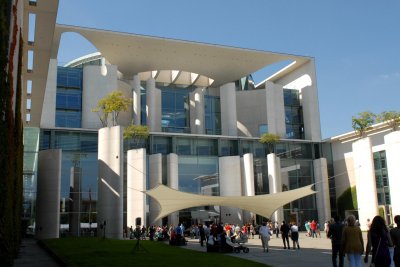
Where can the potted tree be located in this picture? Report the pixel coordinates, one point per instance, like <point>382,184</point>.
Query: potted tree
<point>270,140</point>
<point>363,122</point>
<point>112,104</point>
<point>392,119</point>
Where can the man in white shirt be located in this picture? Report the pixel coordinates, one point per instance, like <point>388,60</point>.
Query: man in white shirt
<point>265,234</point>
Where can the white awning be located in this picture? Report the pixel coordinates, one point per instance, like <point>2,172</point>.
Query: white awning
<point>172,200</point>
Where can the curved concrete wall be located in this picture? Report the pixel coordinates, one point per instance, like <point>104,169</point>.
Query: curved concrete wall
<point>110,182</point>
<point>275,182</point>
<point>153,108</point>
<point>197,111</point>
<point>173,182</point>
<point>48,194</point>
<point>275,109</point>
<point>230,185</point>
<point>136,100</point>
<point>94,87</point>
<point>228,109</point>
<point>135,185</point>
<point>247,168</point>
<point>322,188</point>
<point>365,181</point>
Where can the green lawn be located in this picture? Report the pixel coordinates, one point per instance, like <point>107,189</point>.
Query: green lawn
<point>98,252</point>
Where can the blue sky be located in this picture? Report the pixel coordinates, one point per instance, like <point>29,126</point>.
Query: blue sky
<point>356,44</point>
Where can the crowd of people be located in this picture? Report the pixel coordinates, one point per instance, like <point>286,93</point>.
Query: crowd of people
<point>347,241</point>
<point>346,237</point>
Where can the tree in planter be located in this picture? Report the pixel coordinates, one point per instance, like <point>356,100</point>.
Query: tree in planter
<point>112,104</point>
<point>392,118</point>
<point>136,133</point>
<point>363,122</point>
<point>270,139</point>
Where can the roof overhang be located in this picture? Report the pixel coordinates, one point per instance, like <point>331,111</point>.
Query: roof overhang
<point>134,54</point>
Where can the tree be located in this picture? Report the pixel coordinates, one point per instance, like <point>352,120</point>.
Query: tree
<point>270,139</point>
<point>136,133</point>
<point>363,123</point>
<point>392,118</point>
<point>113,104</point>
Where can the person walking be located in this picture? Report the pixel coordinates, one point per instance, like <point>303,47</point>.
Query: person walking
<point>395,235</point>
<point>380,241</point>
<point>277,229</point>
<point>202,235</point>
<point>285,234</point>
<point>352,242</point>
<point>335,231</point>
<point>265,234</point>
<point>294,235</point>
<point>313,226</point>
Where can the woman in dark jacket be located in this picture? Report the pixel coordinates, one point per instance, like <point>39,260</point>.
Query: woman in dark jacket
<point>380,241</point>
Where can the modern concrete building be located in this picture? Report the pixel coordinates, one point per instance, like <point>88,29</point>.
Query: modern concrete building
<point>370,165</point>
<point>205,116</point>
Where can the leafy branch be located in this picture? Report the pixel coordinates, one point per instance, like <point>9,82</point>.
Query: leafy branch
<point>270,140</point>
<point>112,104</point>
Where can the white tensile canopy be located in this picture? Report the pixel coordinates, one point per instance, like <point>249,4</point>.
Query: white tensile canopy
<point>172,200</point>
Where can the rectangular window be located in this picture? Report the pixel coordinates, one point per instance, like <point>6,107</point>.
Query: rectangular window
<point>30,60</point>
<point>29,87</point>
<point>31,28</point>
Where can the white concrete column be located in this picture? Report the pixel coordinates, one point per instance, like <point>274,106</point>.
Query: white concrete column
<point>197,111</point>
<point>155,176</point>
<point>392,143</point>
<point>247,168</point>
<point>94,87</point>
<point>48,119</point>
<point>365,181</point>
<point>173,182</point>
<point>153,106</point>
<point>322,188</point>
<point>275,182</point>
<point>135,185</point>
<point>230,185</point>
<point>312,127</point>
<point>136,100</point>
<point>228,109</point>
<point>110,182</point>
<point>48,194</point>
<point>75,195</point>
<point>275,109</point>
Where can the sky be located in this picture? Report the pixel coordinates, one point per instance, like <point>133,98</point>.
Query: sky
<point>355,44</point>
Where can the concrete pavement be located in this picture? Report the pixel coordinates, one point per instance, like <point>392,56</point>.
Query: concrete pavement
<point>315,252</point>
<point>33,255</point>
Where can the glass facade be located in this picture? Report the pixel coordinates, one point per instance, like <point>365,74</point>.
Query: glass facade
<point>293,114</point>
<point>69,97</point>
<point>31,149</point>
<point>79,161</point>
<point>382,182</point>
<point>212,113</point>
<point>175,109</point>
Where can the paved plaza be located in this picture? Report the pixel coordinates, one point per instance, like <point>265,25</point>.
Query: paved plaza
<point>313,252</point>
